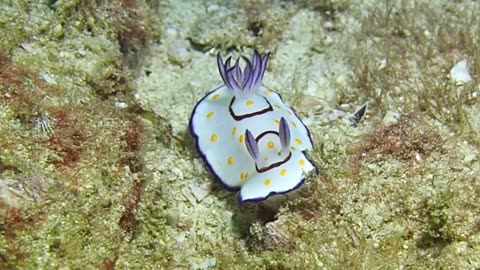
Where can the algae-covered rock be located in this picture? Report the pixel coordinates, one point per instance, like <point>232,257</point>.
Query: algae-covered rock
<point>98,169</point>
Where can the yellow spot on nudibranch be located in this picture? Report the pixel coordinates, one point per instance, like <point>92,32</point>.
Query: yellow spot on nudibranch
<point>234,131</point>
<point>267,182</point>
<point>292,148</point>
<point>249,103</point>
<point>289,112</point>
<point>214,138</point>
<point>301,163</point>
<point>265,159</point>
<point>210,115</point>
<point>283,172</point>
<point>298,142</point>
<point>244,176</point>
<point>242,139</point>
<point>277,106</point>
<point>268,92</point>
<point>231,161</point>
<point>294,125</point>
<point>277,122</point>
<point>270,145</point>
<point>216,96</point>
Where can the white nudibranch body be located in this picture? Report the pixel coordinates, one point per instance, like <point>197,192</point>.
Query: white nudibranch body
<point>248,137</point>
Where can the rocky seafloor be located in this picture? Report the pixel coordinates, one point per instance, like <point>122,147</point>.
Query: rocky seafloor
<point>99,171</point>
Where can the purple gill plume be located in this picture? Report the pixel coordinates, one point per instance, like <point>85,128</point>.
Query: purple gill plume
<point>247,81</point>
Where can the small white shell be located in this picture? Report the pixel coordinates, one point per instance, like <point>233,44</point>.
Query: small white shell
<point>459,73</point>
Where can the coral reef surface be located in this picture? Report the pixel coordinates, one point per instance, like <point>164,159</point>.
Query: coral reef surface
<point>98,169</point>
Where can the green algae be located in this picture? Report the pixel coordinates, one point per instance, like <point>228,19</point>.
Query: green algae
<point>109,187</point>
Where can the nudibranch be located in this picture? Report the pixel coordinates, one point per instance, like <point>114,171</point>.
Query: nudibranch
<point>250,140</point>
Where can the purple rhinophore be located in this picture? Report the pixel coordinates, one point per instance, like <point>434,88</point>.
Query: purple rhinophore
<point>246,81</point>
<point>252,145</point>
<point>284,133</point>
